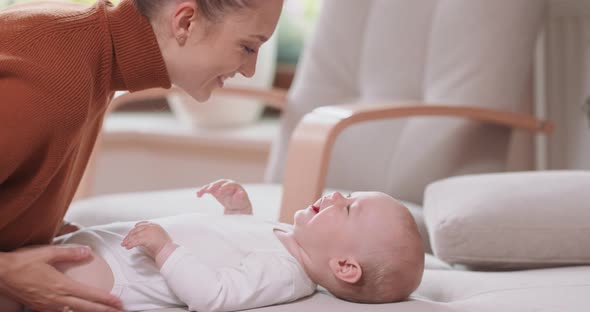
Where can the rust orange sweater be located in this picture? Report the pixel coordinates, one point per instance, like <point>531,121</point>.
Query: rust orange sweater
<point>59,67</point>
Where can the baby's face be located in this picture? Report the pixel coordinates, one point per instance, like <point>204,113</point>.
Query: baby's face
<point>343,226</point>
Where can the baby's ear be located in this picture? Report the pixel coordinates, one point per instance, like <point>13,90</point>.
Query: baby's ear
<point>346,270</point>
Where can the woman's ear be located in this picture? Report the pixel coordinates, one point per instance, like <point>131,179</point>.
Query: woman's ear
<point>184,18</point>
<point>346,270</point>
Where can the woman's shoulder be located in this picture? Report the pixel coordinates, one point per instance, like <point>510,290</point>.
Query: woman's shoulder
<point>35,22</point>
<point>38,13</point>
<point>41,10</point>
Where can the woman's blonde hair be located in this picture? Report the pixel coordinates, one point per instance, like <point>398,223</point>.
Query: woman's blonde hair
<point>212,10</point>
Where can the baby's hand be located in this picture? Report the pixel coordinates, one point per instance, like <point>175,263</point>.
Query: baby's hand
<point>152,237</point>
<point>230,194</point>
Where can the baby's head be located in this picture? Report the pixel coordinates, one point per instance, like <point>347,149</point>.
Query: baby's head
<point>364,247</point>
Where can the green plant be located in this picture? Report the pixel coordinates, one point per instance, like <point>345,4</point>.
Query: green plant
<point>296,24</point>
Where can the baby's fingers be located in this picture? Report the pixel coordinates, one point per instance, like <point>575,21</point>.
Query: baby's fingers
<point>228,188</point>
<point>215,187</point>
<point>126,238</point>
<point>133,238</point>
<point>211,187</point>
<point>203,190</point>
<point>132,242</point>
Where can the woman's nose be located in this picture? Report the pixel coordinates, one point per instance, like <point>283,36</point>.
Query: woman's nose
<point>248,69</point>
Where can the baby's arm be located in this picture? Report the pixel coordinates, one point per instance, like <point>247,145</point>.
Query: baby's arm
<point>230,194</point>
<point>261,279</point>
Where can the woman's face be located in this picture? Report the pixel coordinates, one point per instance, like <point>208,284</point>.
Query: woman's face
<point>200,54</point>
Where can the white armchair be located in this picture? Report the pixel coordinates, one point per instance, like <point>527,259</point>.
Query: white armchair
<point>461,69</point>
<point>452,53</point>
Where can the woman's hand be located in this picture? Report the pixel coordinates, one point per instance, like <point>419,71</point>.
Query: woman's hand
<point>151,236</point>
<point>27,276</point>
<point>230,194</point>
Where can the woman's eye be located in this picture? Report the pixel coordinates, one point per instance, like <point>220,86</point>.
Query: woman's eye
<point>249,50</point>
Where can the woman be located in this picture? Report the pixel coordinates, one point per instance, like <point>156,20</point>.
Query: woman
<point>59,67</point>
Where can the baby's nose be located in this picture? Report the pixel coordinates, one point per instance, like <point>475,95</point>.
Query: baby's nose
<point>336,196</point>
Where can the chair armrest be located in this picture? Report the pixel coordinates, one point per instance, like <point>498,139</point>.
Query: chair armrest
<point>314,137</point>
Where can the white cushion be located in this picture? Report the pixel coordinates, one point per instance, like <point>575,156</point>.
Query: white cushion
<point>511,220</point>
<point>563,289</point>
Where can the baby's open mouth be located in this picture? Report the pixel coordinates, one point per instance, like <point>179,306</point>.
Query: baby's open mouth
<point>315,208</point>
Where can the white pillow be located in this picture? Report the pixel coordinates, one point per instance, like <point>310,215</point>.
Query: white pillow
<point>511,220</point>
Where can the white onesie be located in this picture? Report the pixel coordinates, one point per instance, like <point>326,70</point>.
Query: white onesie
<point>224,263</point>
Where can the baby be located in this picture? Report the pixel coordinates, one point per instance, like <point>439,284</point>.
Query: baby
<point>364,247</point>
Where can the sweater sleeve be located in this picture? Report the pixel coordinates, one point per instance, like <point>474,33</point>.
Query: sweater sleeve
<point>20,123</point>
<point>261,279</point>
